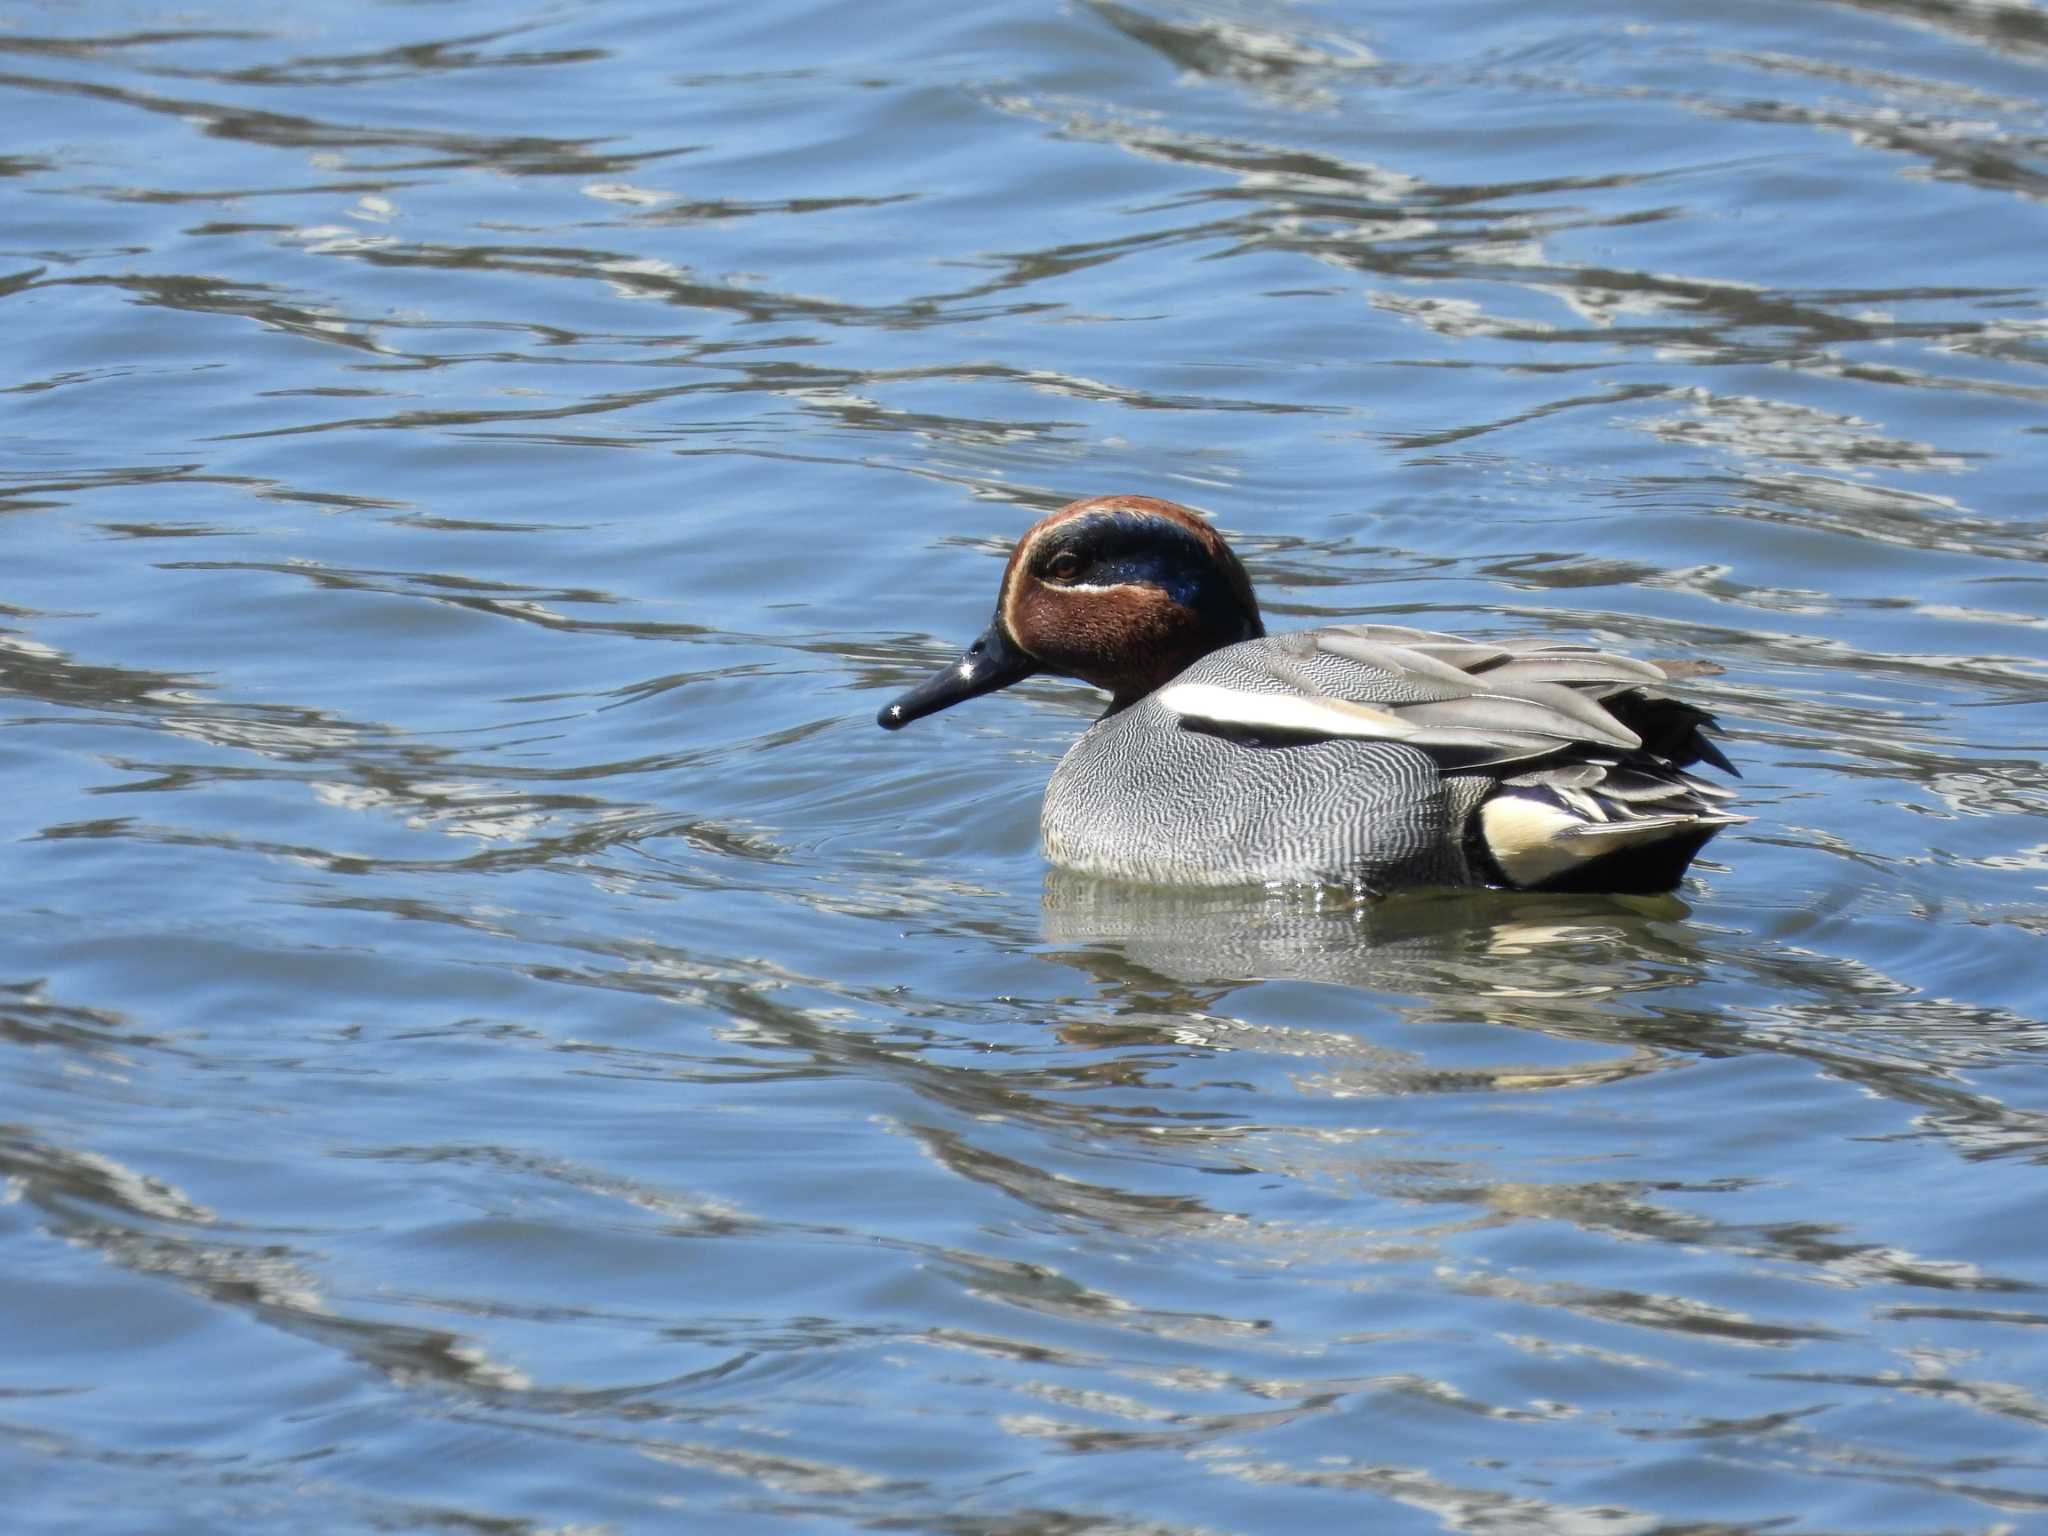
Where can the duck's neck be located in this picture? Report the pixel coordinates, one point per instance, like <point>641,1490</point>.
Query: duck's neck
<point>1164,666</point>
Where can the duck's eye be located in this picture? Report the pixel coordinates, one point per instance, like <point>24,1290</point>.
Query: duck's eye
<point>1065,566</point>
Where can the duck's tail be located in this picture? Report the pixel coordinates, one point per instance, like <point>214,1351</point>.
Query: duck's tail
<point>1627,822</point>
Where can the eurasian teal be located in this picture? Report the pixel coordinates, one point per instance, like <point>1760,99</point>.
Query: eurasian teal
<point>1366,755</point>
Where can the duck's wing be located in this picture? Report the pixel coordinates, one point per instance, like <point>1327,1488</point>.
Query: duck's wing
<point>1471,703</point>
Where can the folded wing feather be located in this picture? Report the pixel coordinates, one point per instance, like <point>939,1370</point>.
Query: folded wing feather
<point>1487,703</point>
<point>1593,792</point>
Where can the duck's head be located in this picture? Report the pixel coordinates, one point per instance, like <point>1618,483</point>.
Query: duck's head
<point>1125,592</point>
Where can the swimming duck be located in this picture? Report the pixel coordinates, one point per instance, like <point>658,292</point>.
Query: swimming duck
<point>1367,755</point>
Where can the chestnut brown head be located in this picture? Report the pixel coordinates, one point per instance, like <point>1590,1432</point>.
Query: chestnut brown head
<point>1125,592</point>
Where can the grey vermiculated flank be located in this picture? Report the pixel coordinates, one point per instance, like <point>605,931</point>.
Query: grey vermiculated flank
<point>1146,795</point>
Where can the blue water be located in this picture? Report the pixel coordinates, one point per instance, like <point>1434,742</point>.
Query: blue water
<point>496,1041</point>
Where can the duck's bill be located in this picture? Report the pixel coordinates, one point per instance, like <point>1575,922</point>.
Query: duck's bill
<point>990,663</point>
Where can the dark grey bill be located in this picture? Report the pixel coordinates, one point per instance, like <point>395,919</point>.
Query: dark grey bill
<point>990,663</point>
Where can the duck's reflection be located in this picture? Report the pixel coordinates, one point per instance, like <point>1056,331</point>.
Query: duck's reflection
<point>1507,957</point>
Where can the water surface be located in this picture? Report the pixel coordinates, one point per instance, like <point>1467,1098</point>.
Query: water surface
<point>495,1040</point>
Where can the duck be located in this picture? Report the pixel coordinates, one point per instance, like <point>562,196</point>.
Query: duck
<point>1369,756</point>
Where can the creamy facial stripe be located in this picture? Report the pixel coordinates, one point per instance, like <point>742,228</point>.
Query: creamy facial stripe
<point>1020,560</point>
<point>1026,553</point>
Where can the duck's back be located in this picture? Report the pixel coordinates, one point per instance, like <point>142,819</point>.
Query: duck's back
<point>1266,762</point>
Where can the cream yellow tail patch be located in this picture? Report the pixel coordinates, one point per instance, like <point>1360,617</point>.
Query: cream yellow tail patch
<point>1534,840</point>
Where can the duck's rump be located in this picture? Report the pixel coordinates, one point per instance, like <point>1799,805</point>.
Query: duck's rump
<point>1380,757</point>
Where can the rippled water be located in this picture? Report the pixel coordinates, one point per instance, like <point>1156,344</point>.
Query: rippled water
<point>495,1040</point>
